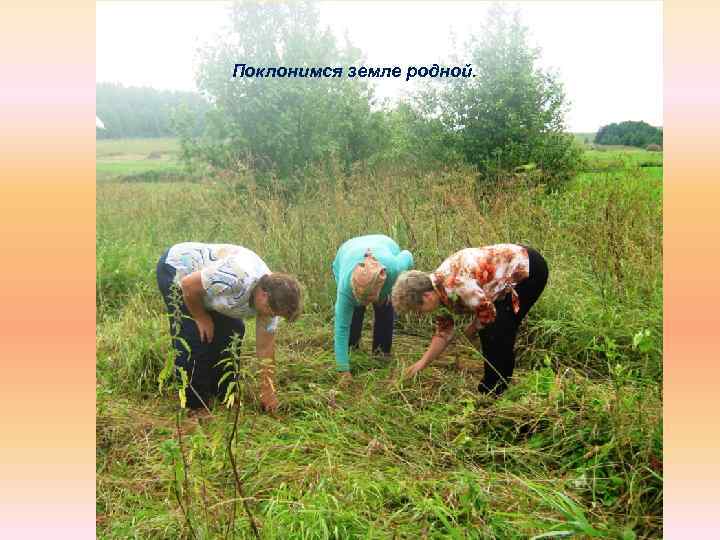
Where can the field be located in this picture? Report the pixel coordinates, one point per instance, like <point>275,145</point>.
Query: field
<point>573,449</point>
<point>136,159</point>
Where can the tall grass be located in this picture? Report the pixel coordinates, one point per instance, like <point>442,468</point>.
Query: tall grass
<point>573,449</point>
<point>602,240</point>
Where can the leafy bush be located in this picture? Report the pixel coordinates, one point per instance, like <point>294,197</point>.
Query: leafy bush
<point>510,113</point>
<point>276,125</point>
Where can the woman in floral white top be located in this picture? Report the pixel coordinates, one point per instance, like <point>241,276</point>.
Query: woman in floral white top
<point>208,290</point>
<point>497,285</point>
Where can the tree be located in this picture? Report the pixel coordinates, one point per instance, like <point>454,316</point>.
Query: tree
<point>143,112</point>
<point>281,124</point>
<point>510,112</point>
<point>629,133</point>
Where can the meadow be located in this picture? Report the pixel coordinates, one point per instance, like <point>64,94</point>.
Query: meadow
<point>572,449</point>
<point>139,160</point>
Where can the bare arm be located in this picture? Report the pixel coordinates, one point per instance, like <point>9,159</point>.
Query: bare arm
<point>265,350</point>
<point>193,293</point>
<point>438,344</point>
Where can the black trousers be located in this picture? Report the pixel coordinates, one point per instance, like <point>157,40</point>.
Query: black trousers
<point>498,338</point>
<point>382,327</point>
<point>200,362</point>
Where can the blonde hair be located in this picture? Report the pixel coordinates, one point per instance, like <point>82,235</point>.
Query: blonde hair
<point>368,279</point>
<point>408,291</point>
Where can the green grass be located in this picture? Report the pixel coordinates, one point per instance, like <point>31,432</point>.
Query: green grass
<point>118,147</point>
<point>138,160</point>
<point>125,168</point>
<point>573,448</point>
<point>621,159</point>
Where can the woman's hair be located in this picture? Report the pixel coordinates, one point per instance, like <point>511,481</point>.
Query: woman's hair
<point>284,294</point>
<point>408,291</point>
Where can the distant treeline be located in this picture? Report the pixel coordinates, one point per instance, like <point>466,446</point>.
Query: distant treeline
<point>144,112</point>
<point>630,134</point>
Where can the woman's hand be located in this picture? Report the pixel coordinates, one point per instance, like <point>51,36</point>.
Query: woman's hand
<point>415,368</point>
<point>268,397</point>
<point>193,293</point>
<point>206,328</point>
<point>345,379</point>
<point>437,345</point>
<point>269,400</point>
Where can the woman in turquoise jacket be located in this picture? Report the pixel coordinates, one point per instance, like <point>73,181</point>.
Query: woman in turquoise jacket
<point>365,270</point>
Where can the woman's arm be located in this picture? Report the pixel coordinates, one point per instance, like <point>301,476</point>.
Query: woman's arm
<point>444,328</point>
<point>438,344</point>
<point>343,317</point>
<point>265,350</point>
<point>193,293</point>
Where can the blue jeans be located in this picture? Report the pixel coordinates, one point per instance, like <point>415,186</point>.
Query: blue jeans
<point>201,361</point>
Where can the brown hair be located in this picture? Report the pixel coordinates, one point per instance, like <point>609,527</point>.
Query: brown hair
<point>284,294</point>
<point>408,291</point>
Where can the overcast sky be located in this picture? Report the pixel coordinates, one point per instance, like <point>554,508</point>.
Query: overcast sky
<point>608,54</point>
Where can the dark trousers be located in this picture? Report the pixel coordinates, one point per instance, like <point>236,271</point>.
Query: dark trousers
<point>382,328</point>
<point>200,362</point>
<point>498,338</point>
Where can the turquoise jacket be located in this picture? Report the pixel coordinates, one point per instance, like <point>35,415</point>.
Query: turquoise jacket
<point>388,253</point>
